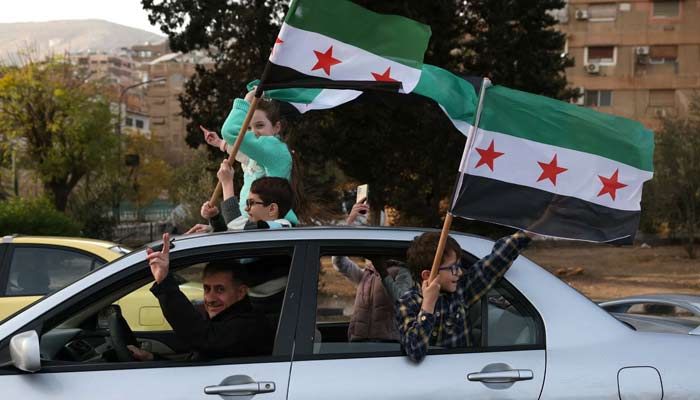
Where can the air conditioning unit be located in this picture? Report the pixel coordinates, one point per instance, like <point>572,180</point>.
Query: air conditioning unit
<point>641,51</point>
<point>581,14</point>
<point>592,68</point>
<point>579,100</point>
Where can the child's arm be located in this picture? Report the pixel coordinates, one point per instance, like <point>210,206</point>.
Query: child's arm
<point>268,151</point>
<point>398,285</point>
<point>482,275</point>
<point>345,266</point>
<point>415,326</point>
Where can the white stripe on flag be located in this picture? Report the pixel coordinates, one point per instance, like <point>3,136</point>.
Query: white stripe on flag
<point>328,98</point>
<point>519,165</point>
<point>297,52</point>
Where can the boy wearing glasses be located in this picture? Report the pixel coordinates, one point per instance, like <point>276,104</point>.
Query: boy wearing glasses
<point>268,199</point>
<point>436,314</point>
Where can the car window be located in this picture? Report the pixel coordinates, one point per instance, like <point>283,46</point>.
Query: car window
<point>129,313</point>
<point>660,310</point>
<point>41,270</point>
<point>355,309</point>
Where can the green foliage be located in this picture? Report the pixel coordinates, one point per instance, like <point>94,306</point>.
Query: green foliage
<point>63,122</point>
<point>514,43</point>
<point>673,198</point>
<point>402,146</point>
<point>35,217</point>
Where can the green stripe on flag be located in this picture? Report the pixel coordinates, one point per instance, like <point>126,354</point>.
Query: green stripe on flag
<point>456,96</point>
<point>390,36</point>
<point>561,124</point>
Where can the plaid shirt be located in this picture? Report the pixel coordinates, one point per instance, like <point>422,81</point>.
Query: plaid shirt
<point>449,326</point>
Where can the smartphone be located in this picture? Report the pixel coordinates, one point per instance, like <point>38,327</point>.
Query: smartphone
<point>362,193</point>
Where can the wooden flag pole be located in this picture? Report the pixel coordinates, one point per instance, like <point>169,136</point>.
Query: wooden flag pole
<point>441,246</point>
<point>237,144</point>
<point>448,217</point>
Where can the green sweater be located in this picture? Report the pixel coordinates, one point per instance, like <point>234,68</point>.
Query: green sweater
<point>268,155</point>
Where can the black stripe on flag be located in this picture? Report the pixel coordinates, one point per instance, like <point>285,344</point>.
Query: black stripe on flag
<point>543,212</point>
<point>280,77</point>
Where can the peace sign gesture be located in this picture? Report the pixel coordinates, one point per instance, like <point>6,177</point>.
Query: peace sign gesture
<point>159,261</point>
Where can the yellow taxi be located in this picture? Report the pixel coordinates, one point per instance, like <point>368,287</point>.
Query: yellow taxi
<point>33,266</point>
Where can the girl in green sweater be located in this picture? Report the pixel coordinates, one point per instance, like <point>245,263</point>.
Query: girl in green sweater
<point>262,152</point>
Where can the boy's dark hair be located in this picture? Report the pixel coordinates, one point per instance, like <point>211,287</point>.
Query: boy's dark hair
<point>421,253</point>
<point>274,190</point>
<point>239,273</point>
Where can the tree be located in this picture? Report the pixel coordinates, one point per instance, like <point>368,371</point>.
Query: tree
<point>515,44</point>
<point>151,176</point>
<point>62,122</point>
<point>402,146</point>
<point>674,195</point>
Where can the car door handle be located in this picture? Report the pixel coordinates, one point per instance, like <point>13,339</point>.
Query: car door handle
<point>512,375</point>
<point>243,389</point>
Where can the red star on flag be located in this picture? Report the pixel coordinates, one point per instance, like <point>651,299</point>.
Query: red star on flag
<point>325,61</point>
<point>610,185</point>
<point>385,77</point>
<point>550,170</point>
<point>487,156</point>
<point>279,41</point>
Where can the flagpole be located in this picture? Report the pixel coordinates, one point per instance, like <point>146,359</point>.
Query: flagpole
<point>242,131</point>
<point>458,186</point>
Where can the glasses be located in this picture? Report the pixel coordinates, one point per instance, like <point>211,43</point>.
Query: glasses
<point>454,268</point>
<point>250,203</point>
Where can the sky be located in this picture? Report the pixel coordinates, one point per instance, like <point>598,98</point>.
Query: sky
<point>124,12</point>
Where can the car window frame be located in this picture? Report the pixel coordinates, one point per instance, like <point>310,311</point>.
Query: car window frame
<point>284,336</point>
<point>9,254</point>
<point>306,324</point>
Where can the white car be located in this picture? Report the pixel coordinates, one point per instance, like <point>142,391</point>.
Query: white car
<point>537,337</point>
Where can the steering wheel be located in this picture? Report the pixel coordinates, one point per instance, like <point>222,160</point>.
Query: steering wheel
<point>120,333</point>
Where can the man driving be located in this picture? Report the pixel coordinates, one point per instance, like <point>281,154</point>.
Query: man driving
<point>228,328</point>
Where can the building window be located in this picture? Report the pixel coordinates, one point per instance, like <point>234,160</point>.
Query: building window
<point>602,12</point>
<point>662,98</point>
<point>604,55</point>
<point>663,54</point>
<point>139,124</point>
<point>129,121</point>
<point>598,98</point>
<point>666,9</point>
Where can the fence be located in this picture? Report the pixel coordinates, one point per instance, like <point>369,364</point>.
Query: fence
<point>138,234</point>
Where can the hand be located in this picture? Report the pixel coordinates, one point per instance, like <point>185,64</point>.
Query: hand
<point>249,96</point>
<point>159,261</point>
<point>357,209</point>
<point>208,211</point>
<point>430,295</point>
<point>199,228</point>
<point>225,172</point>
<point>211,137</point>
<point>140,354</point>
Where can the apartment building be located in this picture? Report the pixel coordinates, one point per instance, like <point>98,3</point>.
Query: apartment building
<point>162,102</point>
<point>638,59</point>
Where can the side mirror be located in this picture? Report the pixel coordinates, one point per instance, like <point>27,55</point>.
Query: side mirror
<point>25,352</point>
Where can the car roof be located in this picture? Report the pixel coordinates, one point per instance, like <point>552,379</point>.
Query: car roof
<point>100,248</point>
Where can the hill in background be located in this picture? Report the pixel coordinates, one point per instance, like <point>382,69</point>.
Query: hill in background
<point>71,35</point>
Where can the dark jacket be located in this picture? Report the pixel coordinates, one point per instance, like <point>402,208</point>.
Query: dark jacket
<point>237,331</point>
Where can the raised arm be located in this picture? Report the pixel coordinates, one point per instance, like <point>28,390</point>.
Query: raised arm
<point>348,268</point>
<point>482,275</point>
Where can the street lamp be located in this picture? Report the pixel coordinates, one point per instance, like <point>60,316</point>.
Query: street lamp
<point>118,129</point>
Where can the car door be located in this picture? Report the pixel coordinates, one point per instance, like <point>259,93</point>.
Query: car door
<point>509,362</point>
<point>30,271</point>
<point>262,376</point>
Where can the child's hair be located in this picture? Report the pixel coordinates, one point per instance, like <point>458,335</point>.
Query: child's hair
<point>421,252</point>
<point>274,114</point>
<point>274,190</point>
